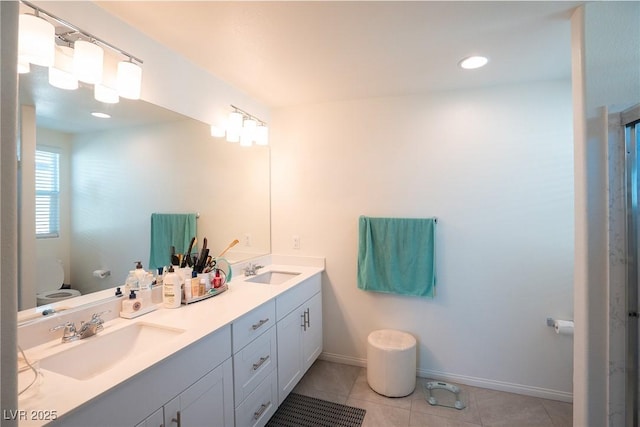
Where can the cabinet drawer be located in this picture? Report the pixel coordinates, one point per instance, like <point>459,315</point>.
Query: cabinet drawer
<point>253,363</point>
<point>252,325</point>
<point>291,299</point>
<point>260,405</point>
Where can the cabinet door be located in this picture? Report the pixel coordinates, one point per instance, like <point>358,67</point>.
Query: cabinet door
<point>312,334</point>
<point>289,331</point>
<point>154,420</point>
<point>208,402</point>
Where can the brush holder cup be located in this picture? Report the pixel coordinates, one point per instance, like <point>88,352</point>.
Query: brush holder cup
<point>391,362</point>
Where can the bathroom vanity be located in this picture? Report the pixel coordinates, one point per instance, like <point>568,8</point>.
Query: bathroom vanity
<point>226,361</point>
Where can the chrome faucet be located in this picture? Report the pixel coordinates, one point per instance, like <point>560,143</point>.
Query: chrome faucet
<point>87,329</point>
<point>251,269</point>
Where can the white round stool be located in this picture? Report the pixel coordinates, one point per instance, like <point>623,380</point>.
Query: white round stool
<point>391,362</point>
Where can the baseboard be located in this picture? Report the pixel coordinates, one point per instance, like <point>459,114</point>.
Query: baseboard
<point>526,390</point>
<point>346,360</point>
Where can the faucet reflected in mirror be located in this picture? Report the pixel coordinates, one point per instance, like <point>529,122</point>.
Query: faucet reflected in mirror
<point>112,177</point>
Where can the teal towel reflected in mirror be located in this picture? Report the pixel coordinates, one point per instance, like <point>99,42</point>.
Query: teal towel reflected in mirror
<point>397,255</point>
<point>170,230</point>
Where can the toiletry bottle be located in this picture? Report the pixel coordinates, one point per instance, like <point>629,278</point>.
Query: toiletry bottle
<point>132,304</point>
<point>217,280</point>
<point>195,286</point>
<point>186,289</point>
<point>131,282</point>
<point>171,290</point>
<point>140,273</point>
<point>160,276</point>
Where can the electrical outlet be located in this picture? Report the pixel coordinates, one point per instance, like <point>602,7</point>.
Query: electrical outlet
<point>247,239</point>
<point>296,242</point>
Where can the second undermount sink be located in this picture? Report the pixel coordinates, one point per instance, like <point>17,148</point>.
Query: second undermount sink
<point>273,277</point>
<point>104,351</point>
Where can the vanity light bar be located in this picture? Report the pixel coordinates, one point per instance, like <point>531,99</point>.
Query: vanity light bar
<point>247,115</point>
<point>91,37</point>
<point>246,128</point>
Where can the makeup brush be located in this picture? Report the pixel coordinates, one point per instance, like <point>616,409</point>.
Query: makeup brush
<point>232,244</point>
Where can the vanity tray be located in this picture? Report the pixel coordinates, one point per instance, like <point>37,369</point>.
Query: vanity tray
<point>212,293</point>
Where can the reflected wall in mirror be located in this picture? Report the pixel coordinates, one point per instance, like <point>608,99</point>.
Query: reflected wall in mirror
<point>115,174</point>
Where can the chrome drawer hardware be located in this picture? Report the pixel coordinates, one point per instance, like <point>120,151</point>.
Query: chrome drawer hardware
<point>261,362</point>
<point>260,323</point>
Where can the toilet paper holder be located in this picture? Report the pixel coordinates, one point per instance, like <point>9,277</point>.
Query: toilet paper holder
<point>550,322</point>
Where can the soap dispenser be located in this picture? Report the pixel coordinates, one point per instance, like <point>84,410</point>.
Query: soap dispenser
<point>132,304</point>
<point>171,292</point>
<point>139,273</point>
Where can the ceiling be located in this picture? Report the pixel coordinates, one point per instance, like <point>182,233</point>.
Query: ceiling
<point>292,53</point>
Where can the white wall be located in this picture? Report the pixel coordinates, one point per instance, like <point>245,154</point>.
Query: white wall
<point>496,167</point>
<point>121,177</point>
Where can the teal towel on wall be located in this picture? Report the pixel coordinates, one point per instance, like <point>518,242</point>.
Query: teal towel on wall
<point>170,230</point>
<point>397,255</point>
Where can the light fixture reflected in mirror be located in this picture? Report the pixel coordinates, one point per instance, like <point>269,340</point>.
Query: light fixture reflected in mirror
<point>106,91</point>
<point>262,134</point>
<point>243,127</point>
<point>247,134</point>
<point>88,61</point>
<point>61,73</point>
<point>234,126</point>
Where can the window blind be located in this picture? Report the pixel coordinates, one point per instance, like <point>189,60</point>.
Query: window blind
<point>47,193</point>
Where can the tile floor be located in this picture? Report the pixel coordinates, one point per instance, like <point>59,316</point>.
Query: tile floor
<point>348,385</point>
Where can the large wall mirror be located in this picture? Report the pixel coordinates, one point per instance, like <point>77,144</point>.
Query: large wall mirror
<point>114,173</point>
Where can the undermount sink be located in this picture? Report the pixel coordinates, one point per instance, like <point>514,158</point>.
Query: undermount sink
<point>273,277</point>
<point>104,351</point>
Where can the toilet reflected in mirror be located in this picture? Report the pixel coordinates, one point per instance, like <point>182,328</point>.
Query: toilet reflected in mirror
<point>50,282</point>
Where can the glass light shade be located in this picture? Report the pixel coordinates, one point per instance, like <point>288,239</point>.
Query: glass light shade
<point>106,91</point>
<point>88,60</point>
<point>129,80</point>
<point>247,133</point>
<point>105,94</point>
<point>61,73</point>
<point>262,135</point>
<point>234,127</point>
<point>36,40</point>
<point>62,79</point>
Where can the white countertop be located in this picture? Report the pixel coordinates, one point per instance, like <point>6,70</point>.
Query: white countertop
<point>63,394</point>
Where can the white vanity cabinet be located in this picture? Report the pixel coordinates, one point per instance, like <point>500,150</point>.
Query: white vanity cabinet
<point>254,366</point>
<point>204,403</point>
<point>154,420</point>
<point>299,330</point>
<point>208,402</point>
<point>197,382</point>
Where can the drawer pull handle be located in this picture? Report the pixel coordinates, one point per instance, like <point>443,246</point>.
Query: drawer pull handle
<point>260,323</point>
<point>260,411</point>
<point>306,323</point>
<point>261,362</point>
<point>177,419</point>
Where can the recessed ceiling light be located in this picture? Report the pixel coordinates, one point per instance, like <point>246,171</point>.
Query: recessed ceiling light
<point>473,62</point>
<point>101,115</point>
